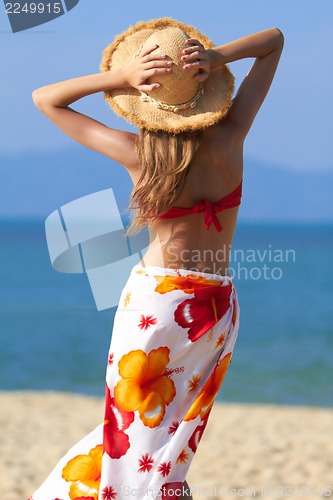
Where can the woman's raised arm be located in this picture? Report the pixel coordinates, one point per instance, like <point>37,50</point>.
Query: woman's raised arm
<point>266,46</point>
<point>54,100</point>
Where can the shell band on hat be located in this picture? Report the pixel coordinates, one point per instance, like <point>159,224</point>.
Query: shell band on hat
<point>181,103</point>
<point>172,107</point>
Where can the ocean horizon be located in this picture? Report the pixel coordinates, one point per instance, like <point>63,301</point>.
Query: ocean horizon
<point>53,338</point>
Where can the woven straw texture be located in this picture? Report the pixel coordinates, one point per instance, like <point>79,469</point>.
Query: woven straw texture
<point>170,35</point>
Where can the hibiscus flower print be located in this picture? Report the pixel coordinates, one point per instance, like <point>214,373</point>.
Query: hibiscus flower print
<point>195,439</point>
<point>144,387</point>
<point>116,441</point>
<point>146,322</point>
<point>80,498</point>
<point>204,310</point>
<point>188,283</point>
<point>168,490</point>
<point>145,463</point>
<point>108,493</point>
<point>234,312</point>
<point>204,402</point>
<point>164,468</point>
<point>84,474</point>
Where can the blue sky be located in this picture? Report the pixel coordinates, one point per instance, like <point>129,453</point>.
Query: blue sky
<point>292,131</point>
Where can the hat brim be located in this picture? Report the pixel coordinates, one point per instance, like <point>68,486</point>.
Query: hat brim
<point>210,108</point>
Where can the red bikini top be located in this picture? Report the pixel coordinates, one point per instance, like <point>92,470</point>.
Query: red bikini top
<point>208,208</point>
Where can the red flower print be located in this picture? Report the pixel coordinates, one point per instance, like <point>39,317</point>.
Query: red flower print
<point>171,491</point>
<point>164,468</point>
<point>146,463</point>
<point>204,310</point>
<point>116,442</point>
<point>234,312</point>
<point>195,439</point>
<point>146,322</point>
<point>173,427</point>
<point>182,457</point>
<point>110,361</point>
<point>108,493</point>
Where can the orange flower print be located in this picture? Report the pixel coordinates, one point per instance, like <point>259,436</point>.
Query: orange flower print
<point>188,284</point>
<point>204,402</point>
<point>145,463</point>
<point>164,468</point>
<point>146,322</point>
<point>84,474</point>
<point>141,271</point>
<point>193,383</point>
<point>81,498</point>
<point>220,341</point>
<point>204,310</point>
<point>144,387</point>
<point>182,457</point>
<point>127,298</point>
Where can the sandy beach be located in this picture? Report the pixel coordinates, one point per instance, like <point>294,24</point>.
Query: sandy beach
<point>262,451</point>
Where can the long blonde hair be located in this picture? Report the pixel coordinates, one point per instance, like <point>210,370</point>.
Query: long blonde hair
<point>164,161</point>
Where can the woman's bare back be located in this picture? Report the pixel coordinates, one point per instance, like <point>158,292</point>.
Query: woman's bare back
<point>184,242</point>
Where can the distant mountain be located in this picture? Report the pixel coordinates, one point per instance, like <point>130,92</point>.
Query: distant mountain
<point>35,184</point>
<point>282,194</point>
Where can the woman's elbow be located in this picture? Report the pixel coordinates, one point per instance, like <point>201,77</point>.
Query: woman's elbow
<point>279,36</point>
<point>40,98</point>
<point>37,98</point>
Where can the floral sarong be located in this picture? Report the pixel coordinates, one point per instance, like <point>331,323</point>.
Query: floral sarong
<point>173,337</point>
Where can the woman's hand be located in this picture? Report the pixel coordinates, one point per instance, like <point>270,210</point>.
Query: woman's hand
<point>146,66</point>
<point>196,56</point>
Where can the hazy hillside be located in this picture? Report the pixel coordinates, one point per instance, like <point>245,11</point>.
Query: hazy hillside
<point>35,184</point>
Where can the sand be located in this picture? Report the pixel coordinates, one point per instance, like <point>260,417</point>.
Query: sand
<point>261,451</point>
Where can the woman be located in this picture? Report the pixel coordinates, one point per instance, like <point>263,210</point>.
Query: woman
<point>178,315</point>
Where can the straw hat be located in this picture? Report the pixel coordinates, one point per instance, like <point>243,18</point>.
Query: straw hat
<point>181,103</point>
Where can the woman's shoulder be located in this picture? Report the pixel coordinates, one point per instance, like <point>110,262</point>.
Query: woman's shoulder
<point>223,135</point>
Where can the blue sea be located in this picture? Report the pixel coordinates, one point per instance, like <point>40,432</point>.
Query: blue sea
<point>53,338</point>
